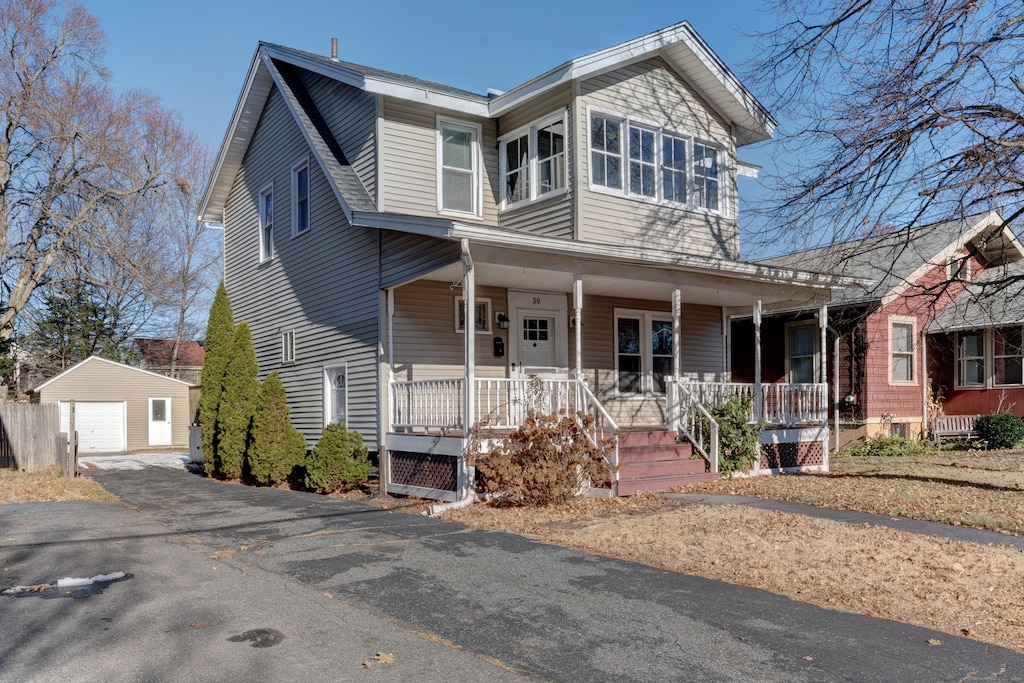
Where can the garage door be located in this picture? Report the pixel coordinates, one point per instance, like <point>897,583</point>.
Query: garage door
<point>100,425</point>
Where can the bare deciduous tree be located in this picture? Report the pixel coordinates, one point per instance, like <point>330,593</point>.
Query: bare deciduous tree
<point>72,150</point>
<point>898,112</point>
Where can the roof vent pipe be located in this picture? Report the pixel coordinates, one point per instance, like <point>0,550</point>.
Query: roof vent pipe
<point>334,49</point>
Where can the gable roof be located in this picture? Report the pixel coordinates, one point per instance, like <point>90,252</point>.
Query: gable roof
<point>159,351</point>
<point>891,263</point>
<point>97,359</point>
<point>994,299</point>
<point>275,65</point>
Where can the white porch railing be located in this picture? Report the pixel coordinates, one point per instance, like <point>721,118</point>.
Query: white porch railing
<point>781,404</point>
<point>502,403</point>
<point>686,415</point>
<point>429,403</point>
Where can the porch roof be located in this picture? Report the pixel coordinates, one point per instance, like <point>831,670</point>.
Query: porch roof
<point>996,298</point>
<point>532,262</point>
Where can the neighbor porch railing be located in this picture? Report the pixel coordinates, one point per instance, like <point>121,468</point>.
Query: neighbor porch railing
<point>781,404</point>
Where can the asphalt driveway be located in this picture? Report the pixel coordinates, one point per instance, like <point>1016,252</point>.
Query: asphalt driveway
<point>328,576</point>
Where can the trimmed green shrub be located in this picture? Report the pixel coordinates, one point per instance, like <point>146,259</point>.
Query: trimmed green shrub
<point>338,461</point>
<point>739,441</point>
<point>237,405</point>
<point>1000,430</point>
<point>220,336</point>
<point>545,461</point>
<point>277,446</point>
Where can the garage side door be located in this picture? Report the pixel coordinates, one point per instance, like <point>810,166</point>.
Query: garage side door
<point>100,425</point>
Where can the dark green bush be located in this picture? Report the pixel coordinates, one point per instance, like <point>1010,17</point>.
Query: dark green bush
<point>338,462</point>
<point>1000,430</point>
<point>739,441</point>
<point>277,446</point>
<point>238,401</point>
<point>220,338</point>
<point>888,447</point>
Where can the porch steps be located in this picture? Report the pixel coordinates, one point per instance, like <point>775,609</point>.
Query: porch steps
<point>653,461</point>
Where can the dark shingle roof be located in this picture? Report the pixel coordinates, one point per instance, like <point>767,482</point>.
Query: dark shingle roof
<point>995,298</point>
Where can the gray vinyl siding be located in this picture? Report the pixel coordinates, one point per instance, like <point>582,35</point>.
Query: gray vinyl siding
<point>408,160</point>
<point>98,381</point>
<point>549,217</point>
<point>405,257</point>
<point>351,116</point>
<point>323,284</point>
<point>426,343</point>
<point>653,93</point>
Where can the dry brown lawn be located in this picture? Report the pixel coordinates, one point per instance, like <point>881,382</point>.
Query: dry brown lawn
<point>48,486</point>
<point>951,586</point>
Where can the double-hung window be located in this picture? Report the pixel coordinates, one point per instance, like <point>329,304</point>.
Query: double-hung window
<point>970,357</point>
<point>901,350</point>
<point>300,198</point>
<point>1007,354</point>
<point>605,152</point>
<point>660,165</point>
<point>266,207</point>
<point>801,348</point>
<point>533,161</point>
<point>990,358</point>
<point>459,167</point>
<point>644,351</point>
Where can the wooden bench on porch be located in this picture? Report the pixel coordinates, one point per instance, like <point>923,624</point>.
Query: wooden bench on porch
<point>954,427</point>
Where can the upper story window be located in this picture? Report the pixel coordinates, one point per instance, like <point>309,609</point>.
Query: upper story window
<point>533,161</point>
<point>300,198</point>
<point>267,223</point>
<point>959,268</point>
<point>901,348</point>
<point>288,346</point>
<point>662,165</point>
<point>459,167</point>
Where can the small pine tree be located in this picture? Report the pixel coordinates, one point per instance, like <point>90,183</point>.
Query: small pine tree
<point>338,462</point>
<point>237,405</point>
<point>277,446</point>
<point>220,336</point>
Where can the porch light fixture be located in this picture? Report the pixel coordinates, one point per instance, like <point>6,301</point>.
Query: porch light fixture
<point>503,321</point>
<point>849,399</point>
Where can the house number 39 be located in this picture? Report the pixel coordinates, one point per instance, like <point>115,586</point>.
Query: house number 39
<point>536,300</point>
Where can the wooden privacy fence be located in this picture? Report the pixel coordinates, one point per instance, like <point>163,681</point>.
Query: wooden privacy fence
<point>30,438</point>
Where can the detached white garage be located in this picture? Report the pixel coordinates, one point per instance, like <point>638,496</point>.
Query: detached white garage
<point>119,408</point>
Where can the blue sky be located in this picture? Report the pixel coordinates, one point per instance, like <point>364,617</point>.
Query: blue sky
<point>194,54</point>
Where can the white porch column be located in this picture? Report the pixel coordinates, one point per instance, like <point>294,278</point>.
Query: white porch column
<point>823,327</point>
<point>677,355</point>
<point>758,407</point>
<point>469,308</point>
<point>577,312</point>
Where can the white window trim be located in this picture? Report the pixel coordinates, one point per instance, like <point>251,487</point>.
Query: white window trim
<point>958,268</point>
<point>329,392</point>
<point>304,164</point>
<point>816,353</point>
<point>288,347</point>
<point>626,121</point>
<point>903,320</point>
<point>266,251</point>
<point>533,166</point>
<point>458,309</point>
<point>646,318</point>
<point>957,359</point>
<point>476,173</point>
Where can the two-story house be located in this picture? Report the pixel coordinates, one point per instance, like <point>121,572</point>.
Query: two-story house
<point>415,259</point>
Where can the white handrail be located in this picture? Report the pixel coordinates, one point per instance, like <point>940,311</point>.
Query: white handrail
<point>689,417</point>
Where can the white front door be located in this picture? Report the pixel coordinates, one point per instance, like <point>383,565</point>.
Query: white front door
<point>160,422</point>
<point>537,338</point>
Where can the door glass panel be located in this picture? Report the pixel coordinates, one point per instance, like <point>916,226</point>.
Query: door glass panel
<point>159,410</point>
<point>338,397</point>
<point>661,353</point>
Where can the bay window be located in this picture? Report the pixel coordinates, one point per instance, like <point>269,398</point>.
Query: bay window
<point>990,358</point>
<point>533,161</point>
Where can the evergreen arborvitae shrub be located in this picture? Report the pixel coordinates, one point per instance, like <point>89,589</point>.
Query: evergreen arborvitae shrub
<point>238,402</point>
<point>1000,430</point>
<point>277,446</point>
<point>739,441</point>
<point>338,461</point>
<point>220,337</point>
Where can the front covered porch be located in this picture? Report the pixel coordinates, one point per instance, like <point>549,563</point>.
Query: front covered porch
<point>642,348</point>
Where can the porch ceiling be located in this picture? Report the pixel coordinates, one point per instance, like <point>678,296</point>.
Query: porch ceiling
<point>528,271</point>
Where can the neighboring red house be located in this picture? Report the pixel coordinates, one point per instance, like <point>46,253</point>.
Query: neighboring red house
<point>912,277</point>
<point>156,354</point>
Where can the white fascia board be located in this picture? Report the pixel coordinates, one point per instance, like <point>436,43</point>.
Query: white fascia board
<point>652,257</point>
<point>429,97</point>
<point>335,72</point>
<point>747,170</point>
<point>501,104</point>
<point>417,225</point>
<point>232,138</point>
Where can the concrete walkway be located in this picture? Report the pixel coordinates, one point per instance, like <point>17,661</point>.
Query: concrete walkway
<point>495,598</point>
<point>916,526</point>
